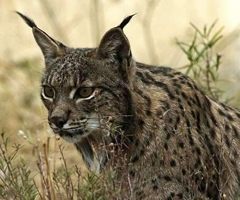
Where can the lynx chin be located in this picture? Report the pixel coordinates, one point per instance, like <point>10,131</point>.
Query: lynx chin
<point>172,140</point>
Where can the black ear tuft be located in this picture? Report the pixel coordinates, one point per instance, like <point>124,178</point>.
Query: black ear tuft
<point>50,48</point>
<point>28,20</point>
<point>125,21</point>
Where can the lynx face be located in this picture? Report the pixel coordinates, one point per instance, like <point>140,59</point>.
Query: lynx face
<point>85,89</point>
<point>81,93</point>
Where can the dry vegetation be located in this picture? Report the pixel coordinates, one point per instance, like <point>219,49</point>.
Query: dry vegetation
<point>33,164</point>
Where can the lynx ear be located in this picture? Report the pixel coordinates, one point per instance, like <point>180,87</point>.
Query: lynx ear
<point>49,47</point>
<point>114,44</point>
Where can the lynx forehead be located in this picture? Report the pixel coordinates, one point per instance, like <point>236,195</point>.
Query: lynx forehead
<point>170,140</point>
<point>74,67</point>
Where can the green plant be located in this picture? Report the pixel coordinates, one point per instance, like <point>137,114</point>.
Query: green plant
<point>204,63</point>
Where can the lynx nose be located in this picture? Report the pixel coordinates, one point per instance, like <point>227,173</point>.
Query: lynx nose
<point>58,121</point>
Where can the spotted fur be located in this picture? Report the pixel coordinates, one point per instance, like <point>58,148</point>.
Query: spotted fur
<point>177,143</point>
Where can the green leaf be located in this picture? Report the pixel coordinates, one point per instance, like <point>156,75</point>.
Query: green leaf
<point>211,27</point>
<point>216,36</point>
<point>202,35</point>
<point>193,42</point>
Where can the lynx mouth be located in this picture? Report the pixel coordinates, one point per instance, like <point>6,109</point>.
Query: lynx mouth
<point>71,132</point>
<point>72,135</point>
<point>76,135</point>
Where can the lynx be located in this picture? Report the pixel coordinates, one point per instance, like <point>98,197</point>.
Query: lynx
<point>176,142</point>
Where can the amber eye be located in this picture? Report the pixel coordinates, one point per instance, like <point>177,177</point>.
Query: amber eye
<point>48,91</point>
<point>84,92</point>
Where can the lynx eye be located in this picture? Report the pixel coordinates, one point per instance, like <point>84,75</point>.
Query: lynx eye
<point>84,92</point>
<point>48,91</point>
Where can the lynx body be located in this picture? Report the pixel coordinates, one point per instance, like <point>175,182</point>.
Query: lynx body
<point>176,142</point>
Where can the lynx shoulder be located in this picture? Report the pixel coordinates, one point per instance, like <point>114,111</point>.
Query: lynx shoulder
<point>177,143</point>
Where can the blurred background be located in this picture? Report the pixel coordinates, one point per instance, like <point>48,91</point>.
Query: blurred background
<point>152,34</point>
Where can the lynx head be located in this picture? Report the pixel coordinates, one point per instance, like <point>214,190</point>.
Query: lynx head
<point>84,88</point>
